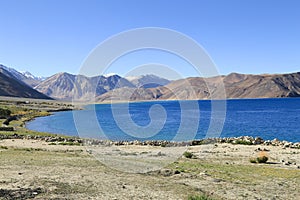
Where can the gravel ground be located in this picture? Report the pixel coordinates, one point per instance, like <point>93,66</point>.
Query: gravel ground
<point>33,169</point>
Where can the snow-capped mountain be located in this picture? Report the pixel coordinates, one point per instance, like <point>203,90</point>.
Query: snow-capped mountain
<point>110,74</point>
<point>12,86</point>
<point>25,77</point>
<point>31,76</point>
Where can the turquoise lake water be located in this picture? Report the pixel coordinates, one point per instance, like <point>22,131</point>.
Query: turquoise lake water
<point>179,120</point>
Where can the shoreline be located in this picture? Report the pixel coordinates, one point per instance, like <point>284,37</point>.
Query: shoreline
<point>242,140</point>
<point>59,106</point>
<point>158,100</point>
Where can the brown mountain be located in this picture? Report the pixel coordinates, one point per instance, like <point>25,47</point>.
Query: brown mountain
<point>78,87</point>
<point>12,87</point>
<point>148,81</point>
<point>236,86</point>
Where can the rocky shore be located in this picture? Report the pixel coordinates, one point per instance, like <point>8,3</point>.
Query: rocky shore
<point>242,140</point>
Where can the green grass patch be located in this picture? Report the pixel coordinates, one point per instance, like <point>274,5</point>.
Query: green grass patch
<point>188,154</point>
<point>243,142</point>
<point>244,173</point>
<point>26,114</point>
<point>69,143</point>
<point>28,149</point>
<point>200,197</point>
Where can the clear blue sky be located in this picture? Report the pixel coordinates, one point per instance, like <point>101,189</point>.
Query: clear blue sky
<point>247,36</point>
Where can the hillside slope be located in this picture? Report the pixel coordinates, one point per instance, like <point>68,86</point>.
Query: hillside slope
<point>25,77</point>
<point>12,87</point>
<point>78,87</point>
<point>236,86</point>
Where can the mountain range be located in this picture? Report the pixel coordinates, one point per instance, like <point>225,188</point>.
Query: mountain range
<point>25,77</point>
<point>81,88</point>
<point>12,84</point>
<point>236,86</point>
<point>65,86</point>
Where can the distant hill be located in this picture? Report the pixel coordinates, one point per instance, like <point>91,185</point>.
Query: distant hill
<point>265,86</point>
<point>236,86</point>
<point>148,81</point>
<point>12,87</point>
<point>78,87</point>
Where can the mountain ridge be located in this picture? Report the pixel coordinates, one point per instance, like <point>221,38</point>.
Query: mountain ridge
<point>237,86</point>
<point>32,81</point>
<point>67,86</point>
<point>12,87</point>
<point>112,87</point>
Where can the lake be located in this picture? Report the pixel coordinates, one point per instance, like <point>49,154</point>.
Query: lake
<point>179,120</point>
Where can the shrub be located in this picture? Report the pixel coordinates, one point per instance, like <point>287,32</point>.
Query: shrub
<point>69,143</point>
<point>4,113</point>
<point>163,145</point>
<point>262,159</point>
<point>188,154</point>
<point>200,197</point>
<point>243,142</point>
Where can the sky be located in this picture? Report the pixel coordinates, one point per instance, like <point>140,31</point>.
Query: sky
<point>249,36</point>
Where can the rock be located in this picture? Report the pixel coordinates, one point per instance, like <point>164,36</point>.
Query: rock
<point>216,180</point>
<point>258,149</point>
<point>166,172</point>
<point>288,163</point>
<point>258,140</point>
<point>161,154</point>
<point>203,174</point>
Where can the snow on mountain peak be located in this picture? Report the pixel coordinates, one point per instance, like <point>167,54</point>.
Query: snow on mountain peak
<point>28,74</point>
<point>109,74</point>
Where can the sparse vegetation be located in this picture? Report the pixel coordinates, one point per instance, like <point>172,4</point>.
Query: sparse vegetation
<point>200,197</point>
<point>261,158</point>
<point>243,142</point>
<point>163,145</point>
<point>68,143</point>
<point>20,111</point>
<point>4,113</point>
<point>188,154</point>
